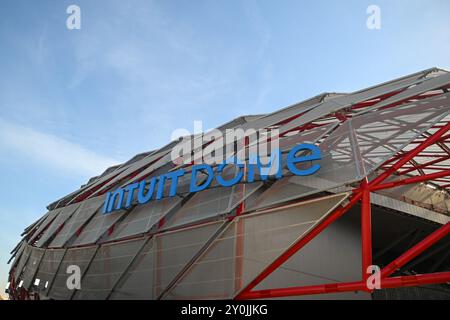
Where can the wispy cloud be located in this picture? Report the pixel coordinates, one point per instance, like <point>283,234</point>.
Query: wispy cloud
<point>51,150</point>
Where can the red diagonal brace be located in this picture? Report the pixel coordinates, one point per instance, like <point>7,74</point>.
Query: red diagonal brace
<point>415,250</point>
<point>425,165</point>
<point>301,243</point>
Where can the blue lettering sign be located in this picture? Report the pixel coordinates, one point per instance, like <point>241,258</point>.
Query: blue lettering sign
<point>144,190</point>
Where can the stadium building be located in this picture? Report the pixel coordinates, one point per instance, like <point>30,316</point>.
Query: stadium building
<point>380,199</point>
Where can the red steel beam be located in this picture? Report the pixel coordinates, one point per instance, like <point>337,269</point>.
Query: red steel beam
<point>431,169</point>
<point>431,155</point>
<point>371,102</point>
<point>367,103</point>
<point>436,154</point>
<point>417,179</point>
<point>396,282</point>
<point>302,242</point>
<point>420,168</point>
<point>394,158</point>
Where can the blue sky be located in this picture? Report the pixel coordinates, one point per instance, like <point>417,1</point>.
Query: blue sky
<point>73,102</point>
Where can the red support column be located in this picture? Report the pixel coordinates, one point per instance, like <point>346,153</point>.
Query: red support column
<point>366,230</point>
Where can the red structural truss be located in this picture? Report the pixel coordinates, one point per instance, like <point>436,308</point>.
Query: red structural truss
<point>424,160</point>
<point>362,195</point>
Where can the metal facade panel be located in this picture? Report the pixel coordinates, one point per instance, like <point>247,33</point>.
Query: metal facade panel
<point>50,216</point>
<point>96,227</point>
<point>331,257</point>
<point>175,249</point>
<point>161,261</point>
<point>106,268</point>
<point>48,268</point>
<point>211,203</point>
<point>86,210</point>
<point>285,143</point>
<point>138,282</point>
<point>80,257</point>
<point>309,136</point>
<point>61,218</point>
<point>32,266</point>
<point>22,262</point>
<point>248,245</point>
<point>34,225</point>
<point>142,218</point>
<point>285,189</point>
<point>18,254</point>
<point>213,276</point>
